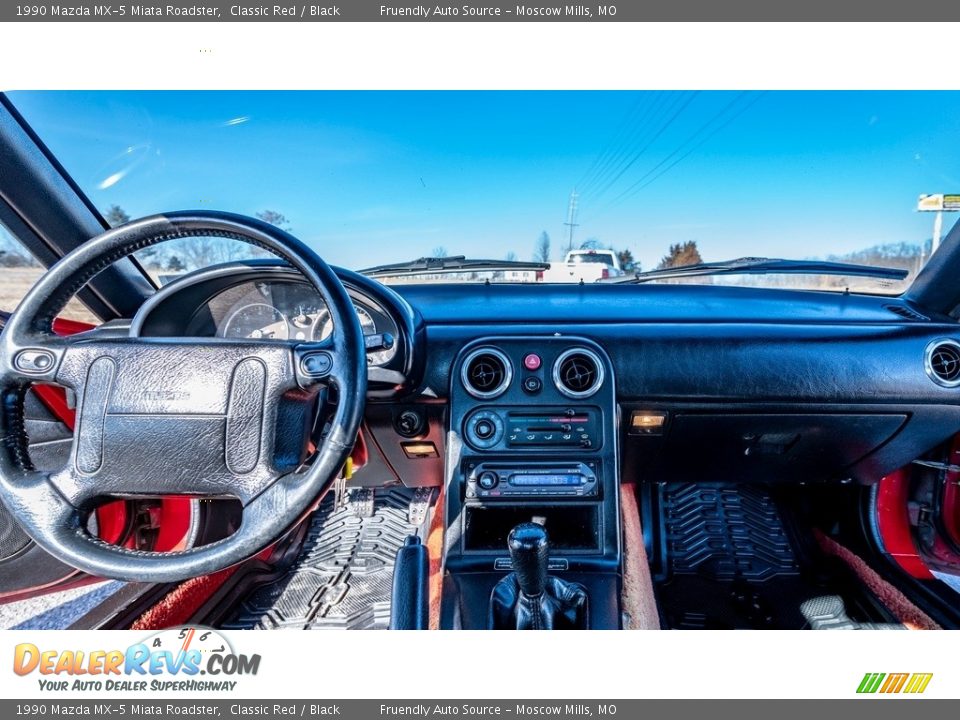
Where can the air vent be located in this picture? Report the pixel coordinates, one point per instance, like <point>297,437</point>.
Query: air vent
<point>486,373</point>
<point>578,373</point>
<point>942,362</point>
<point>906,313</point>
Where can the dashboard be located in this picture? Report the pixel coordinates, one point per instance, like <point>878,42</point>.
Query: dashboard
<point>768,385</point>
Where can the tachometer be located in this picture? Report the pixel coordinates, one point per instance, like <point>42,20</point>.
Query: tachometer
<point>325,325</point>
<point>258,321</point>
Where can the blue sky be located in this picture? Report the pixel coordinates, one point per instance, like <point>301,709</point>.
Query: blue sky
<point>371,177</point>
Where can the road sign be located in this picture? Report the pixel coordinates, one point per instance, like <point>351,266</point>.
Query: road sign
<point>939,202</point>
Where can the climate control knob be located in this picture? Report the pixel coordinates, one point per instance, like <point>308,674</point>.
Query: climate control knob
<point>484,429</point>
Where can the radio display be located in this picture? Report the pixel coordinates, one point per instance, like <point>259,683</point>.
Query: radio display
<point>545,479</point>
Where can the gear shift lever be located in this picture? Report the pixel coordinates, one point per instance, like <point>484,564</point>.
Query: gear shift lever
<point>529,598</point>
<point>529,551</point>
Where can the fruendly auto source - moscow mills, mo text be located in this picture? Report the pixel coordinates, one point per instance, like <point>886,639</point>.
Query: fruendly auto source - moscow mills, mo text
<point>425,12</point>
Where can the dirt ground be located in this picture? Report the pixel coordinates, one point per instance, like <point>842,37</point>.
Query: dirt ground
<point>14,283</point>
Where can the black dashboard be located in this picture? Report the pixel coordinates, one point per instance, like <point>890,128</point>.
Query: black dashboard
<point>767,385</point>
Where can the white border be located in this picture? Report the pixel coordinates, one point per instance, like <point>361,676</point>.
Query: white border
<point>703,56</point>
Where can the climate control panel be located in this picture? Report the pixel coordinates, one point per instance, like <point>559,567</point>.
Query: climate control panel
<point>554,428</point>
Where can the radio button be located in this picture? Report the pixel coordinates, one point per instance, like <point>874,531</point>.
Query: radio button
<point>488,480</point>
<point>532,385</point>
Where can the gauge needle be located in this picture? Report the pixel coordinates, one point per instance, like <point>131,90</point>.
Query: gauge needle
<point>186,641</point>
<point>186,644</point>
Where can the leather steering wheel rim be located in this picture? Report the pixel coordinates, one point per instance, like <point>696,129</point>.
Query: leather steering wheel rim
<point>250,396</point>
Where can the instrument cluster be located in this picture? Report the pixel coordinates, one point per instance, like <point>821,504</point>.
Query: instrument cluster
<point>290,310</point>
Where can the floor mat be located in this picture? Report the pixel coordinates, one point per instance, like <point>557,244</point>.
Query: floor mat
<point>343,575</point>
<point>727,560</point>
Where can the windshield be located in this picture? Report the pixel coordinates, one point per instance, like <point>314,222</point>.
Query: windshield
<point>661,179</point>
<point>603,259</point>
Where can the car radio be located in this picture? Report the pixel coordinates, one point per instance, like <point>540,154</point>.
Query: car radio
<point>513,480</point>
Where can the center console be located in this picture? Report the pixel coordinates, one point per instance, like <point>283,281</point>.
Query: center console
<point>532,439</point>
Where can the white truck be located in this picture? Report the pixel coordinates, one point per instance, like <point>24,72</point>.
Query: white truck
<point>585,266</point>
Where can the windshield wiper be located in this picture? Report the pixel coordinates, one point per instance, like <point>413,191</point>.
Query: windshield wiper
<point>766,266</point>
<point>452,264</point>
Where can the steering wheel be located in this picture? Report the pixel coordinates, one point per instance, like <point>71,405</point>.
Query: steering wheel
<point>206,417</point>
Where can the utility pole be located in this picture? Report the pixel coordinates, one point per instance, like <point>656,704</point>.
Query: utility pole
<point>571,217</point>
<point>937,232</point>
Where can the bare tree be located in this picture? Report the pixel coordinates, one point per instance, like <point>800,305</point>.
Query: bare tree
<point>12,254</point>
<point>275,218</point>
<point>439,252</point>
<point>541,251</point>
<point>199,252</point>
<point>151,256</point>
<point>116,215</point>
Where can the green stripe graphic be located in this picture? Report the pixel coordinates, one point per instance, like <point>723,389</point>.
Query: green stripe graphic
<point>871,682</point>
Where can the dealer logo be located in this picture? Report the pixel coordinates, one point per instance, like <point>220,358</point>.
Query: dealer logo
<point>182,652</point>
<point>893,683</point>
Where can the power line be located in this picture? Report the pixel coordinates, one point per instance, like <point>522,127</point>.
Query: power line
<point>635,188</point>
<point>659,132</point>
<point>635,139</point>
<point>605,150</point>
<point>716,117</point>
<point>700,144</point>
<point>619,139</point>
<point>639,135</point>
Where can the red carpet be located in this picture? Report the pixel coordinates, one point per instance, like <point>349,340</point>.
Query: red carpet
<point>904,610</point>
<point>435,550</point>
<point>180,605</point>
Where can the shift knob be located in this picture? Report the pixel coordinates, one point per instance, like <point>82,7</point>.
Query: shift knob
<point>529,550</point>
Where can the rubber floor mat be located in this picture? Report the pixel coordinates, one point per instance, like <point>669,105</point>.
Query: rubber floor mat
<point>727,560</point>
<point>343,575</point>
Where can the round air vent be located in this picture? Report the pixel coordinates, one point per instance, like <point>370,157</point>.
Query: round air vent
<point>486,373</point>
<point>942,362</point>
<point>578,373</point>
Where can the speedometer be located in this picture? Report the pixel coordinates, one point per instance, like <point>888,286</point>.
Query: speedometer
<point>258,321</point>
